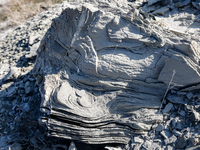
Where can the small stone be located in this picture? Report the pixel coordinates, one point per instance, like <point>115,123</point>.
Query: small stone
<point>196,5</point>
<point>11,113</point>
<point>12,74</point>
<point>189,107</point>
<point>174,98</point>
<point>165,2</point>
<point>177,133</point>
<point>193,147</point>
<point>39,79</point>
<point>15,146</point>
<point>169,147</point>
<point>155,146</point>
<point>3,110</point>
<point>167,108</point>
<point>193,141</point>
<point>36,89</point>
<point>136,146</point>
<point>33,50</point>
<point>174,121</point>
<point>159,127</point>
<point>59,146</point>
<point>3,141</point>
<point>137,139</point>
<point>32,39</point>
<point>194,117</point>
<point>180,93</point>
<point>11,91</point>
<point>26,107</point>
<point>167,124</point>
<point>166,134</point>
<point>27,84</point>
<point>22,91</point>
<point>12,126</point>
<point>196,141</point>
<point>182,113</point>
<point>27,90</point>
<point>147,144</point>
<point>165,117</point>
<point>165,102</point>
<point>181,143</point>
<point>72,146</point>
<point>170,140</point>
<point>162,11</point>
<point>179,125</point>
<point>189,95</point>
<point>183,3</point>
<point>187,135</point>
<point>34,142</point>
<point>151,2</point>
<point>146,8</point>
<point>17,119</point>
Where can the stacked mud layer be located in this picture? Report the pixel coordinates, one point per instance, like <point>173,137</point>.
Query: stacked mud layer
<point>103,69</point>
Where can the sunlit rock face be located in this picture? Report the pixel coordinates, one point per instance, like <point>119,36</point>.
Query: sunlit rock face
<point>103,70</point>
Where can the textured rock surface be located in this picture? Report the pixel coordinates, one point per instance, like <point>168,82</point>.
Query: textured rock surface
<point>103,69</point>
<point>19,109</point>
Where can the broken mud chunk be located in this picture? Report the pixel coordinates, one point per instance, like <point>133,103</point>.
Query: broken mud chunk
<point>102,75</point>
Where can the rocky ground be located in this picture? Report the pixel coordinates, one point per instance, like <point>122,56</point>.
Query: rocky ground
<point>20,97</point>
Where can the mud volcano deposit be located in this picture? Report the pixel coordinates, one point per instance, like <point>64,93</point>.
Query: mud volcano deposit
<point>103,69</point>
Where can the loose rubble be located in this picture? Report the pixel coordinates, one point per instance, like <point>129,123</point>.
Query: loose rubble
<point>19,93</point>
<point>20,97</point>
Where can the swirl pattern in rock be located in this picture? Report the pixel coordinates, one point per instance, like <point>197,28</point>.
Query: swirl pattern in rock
<point>103,71</point>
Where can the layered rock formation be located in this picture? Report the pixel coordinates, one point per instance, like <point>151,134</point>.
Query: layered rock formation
<point>103,69</point>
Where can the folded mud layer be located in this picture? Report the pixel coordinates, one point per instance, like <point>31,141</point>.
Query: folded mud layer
<point>103,70</point>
